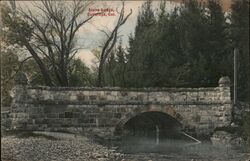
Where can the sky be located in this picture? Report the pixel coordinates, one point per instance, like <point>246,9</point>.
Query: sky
<point>90,35</point>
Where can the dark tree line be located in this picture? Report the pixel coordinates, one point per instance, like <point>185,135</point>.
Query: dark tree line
<point>190,46</point>
<point>240,38</point>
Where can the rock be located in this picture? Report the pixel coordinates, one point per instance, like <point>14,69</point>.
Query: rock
<point>40,148</point>
<point>224,138</point>
<point>224,81</point>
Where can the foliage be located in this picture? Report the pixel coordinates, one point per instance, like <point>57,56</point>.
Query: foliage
<point>49,35</point>
<point>115,67</point>
<point>141,48</point>
<point>246,128</point>
<point>9,66</point>
<point>191,47</point>
<point>240,38</point>
<point>80,74</point>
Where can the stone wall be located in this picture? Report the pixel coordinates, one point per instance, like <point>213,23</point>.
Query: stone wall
<point>199,110</point>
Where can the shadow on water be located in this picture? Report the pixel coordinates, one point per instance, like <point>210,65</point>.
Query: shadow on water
<point>161,135</point>
<point>179,149</point>
<point>178,144</point>
<point>154,132</point>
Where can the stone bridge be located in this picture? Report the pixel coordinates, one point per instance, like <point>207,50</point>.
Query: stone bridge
<point>109,111</point>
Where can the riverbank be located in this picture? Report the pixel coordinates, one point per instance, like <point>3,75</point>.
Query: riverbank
<point>39,147</point>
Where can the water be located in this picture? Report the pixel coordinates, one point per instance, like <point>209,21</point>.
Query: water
<point>178,150</point>
<point>157,131</point>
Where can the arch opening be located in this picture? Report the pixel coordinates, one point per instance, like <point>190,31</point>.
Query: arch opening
<point>148,130</point>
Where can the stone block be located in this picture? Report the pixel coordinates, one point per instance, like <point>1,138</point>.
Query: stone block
<point>52,115</point>
<point>46,121</point>
<point>85,93</point>
<point>42,127</point>
<point>112,98</point>
<point>32,127</point>
<point>196,118</point>
<point>68,114</point>
<point>117,115</point>
<point>56,121</point>
<point>61,115</point>
<point>47,96</point>
<point>81,97</point>
<point>92,97</point>
<point>203,112</point>
<point>181,98</point>
<point>218,113</point>
<point>222,119</point>
<point>38,121</point>
<point>22,115</point>
<point>33,110</point>
<point>76,114</point>
<point>73,98</point>
<point>30,121</point>
<point>205,119</point>
<point>103,98</point>
<point>221,108</point>
<point>74,122</point>
<point>85,125</point>
<point>56,126</point>
<point>47,109</point>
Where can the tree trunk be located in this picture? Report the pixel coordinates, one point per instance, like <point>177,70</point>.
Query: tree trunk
<point>44,71</point>
<point>64,76</point>
<point>100,74</point>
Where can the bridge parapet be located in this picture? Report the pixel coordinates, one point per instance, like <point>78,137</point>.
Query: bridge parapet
<point>88,95</point>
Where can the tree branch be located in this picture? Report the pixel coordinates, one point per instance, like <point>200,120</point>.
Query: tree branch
<point>111,41</point>
<point>18,69</point>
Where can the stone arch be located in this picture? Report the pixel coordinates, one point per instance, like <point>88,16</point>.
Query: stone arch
<point>166,110</point>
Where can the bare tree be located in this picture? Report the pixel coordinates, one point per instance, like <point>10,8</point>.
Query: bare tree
<point>110,42</point>
<point>52,38</point>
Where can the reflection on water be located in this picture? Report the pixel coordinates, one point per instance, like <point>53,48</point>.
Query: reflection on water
<point>181,150</point>
<point>156,136</point>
